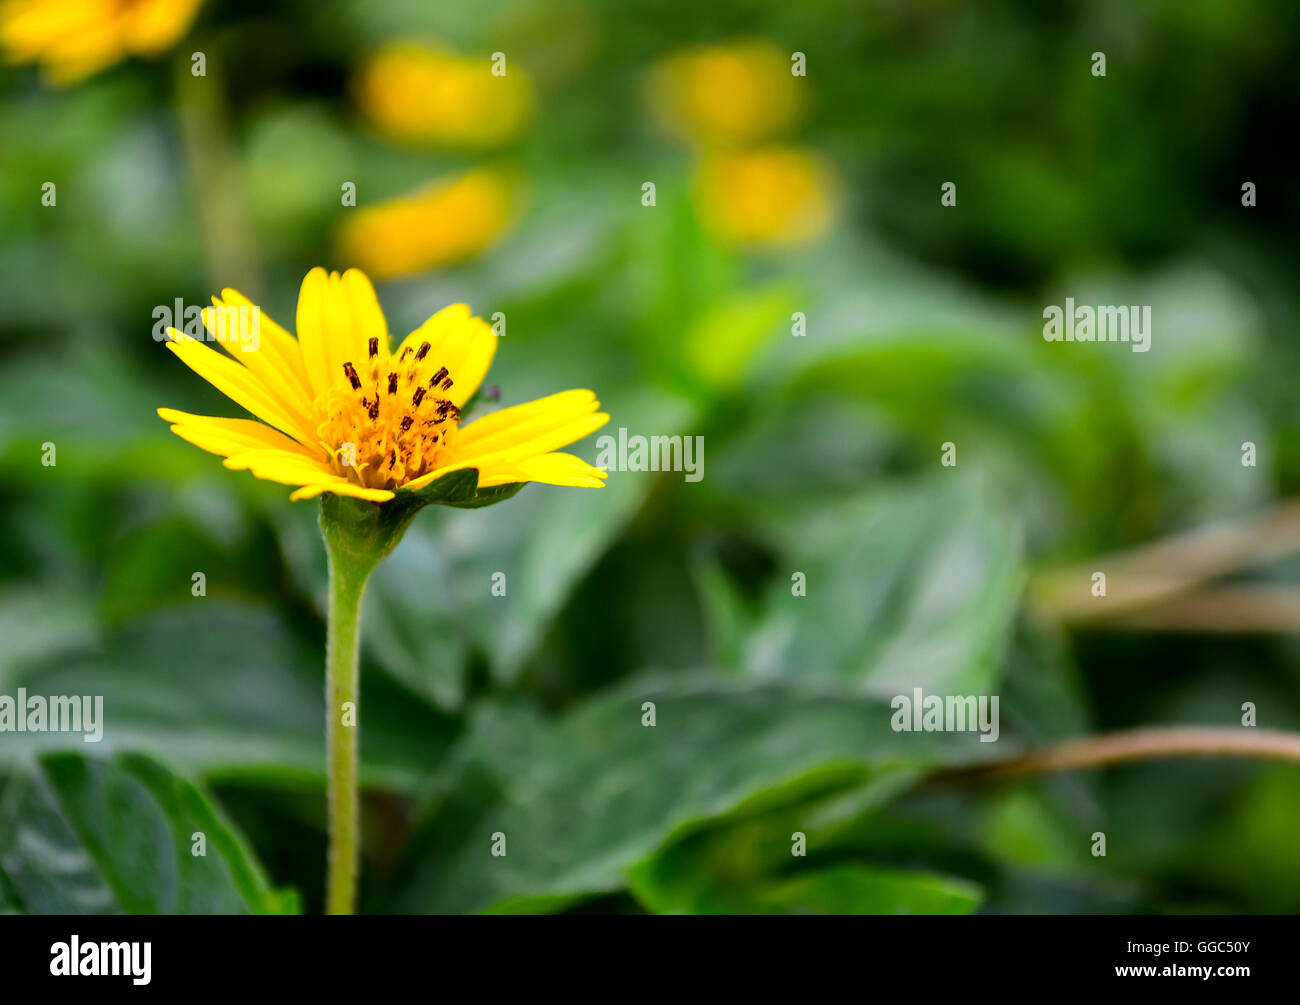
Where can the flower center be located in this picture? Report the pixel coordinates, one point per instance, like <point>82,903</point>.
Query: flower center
<point>387,422</point>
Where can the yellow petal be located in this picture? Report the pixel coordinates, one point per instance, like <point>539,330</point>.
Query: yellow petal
<point>238,384</point>
<point>462,343</point>
<point>367,317</point>
<point>289,468</point>
<point>494,422</point>
<point>277,344</point>
<point>437,327</point>
<point>313,331</point>
<point>342,488</point>
<point>234,331</point>
<point>343,337</point>
<point>282,466</point>
<point>524,424</point>
<point>505,462</point>
<point>152,27</point>
<point>71,39</point>
<point>28,27</point>
<point>542,440</point>
<point>337,317</point>
<point>553,469</point>
<point>229,436</point>
<point>562,469</point>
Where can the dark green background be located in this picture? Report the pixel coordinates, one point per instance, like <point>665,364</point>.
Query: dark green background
<point>522,714</point>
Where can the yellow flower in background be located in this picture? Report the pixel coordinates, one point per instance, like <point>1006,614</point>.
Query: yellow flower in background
<point>445,222</point>
<point>728,95</point>
<point>733,101</point>
<point>72,39</point>
<point>774,196</point>
<point>432,96</point>
<point>343,412</point>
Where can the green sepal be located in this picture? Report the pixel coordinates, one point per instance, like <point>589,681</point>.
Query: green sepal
<point>459,489</point>
<point>361,534</point>
<point>488,497</point>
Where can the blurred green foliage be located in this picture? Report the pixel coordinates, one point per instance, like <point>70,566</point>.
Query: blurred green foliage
<point>522,714</point>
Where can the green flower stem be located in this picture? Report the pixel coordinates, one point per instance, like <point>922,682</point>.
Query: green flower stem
<point>342,686</point>
<point>358,536</point>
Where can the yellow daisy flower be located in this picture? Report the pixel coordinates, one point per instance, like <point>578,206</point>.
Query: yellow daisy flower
<point>451,219</point>
<point>770,197</point>
<point>73,39</point>
<point>342,412</point>
<point>727,95</point>
<point>417,94</point>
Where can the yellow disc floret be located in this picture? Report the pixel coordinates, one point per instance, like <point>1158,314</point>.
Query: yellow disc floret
<point>388,421</point>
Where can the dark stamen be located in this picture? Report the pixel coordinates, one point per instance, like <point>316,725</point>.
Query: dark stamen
<point>374,346</point>
<point>373,410</point>
<point>392,383</point>
<point>442,372</point>
<point>406,423</point>
<point>422,351</point>
<point>417,397</point>
<point>353,379</point>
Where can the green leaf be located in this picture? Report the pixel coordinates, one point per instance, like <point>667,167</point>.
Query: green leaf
<point>855,889</point>
<point>598,792</point>
<point>229,692</point>
<point>39,624</point>
<point>86,836</point>
<point>904,589</point>
<point>1021,827</point>
<point>1250,850</point>
<point>431,604</point>
<point>681,275</point>
<point>722,343</point>
<point>720,868</point>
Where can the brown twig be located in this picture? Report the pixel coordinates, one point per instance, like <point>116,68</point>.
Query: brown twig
<point>1175,567</point>
<point>1134,745</point>
<point>1267,609</point>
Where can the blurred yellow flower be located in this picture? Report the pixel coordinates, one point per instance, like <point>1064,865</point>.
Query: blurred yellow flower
<point>421,95</point>
<point>774,196</point>
<point>727,95</point>
<point>447,221</point>
<point>71,39</point>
